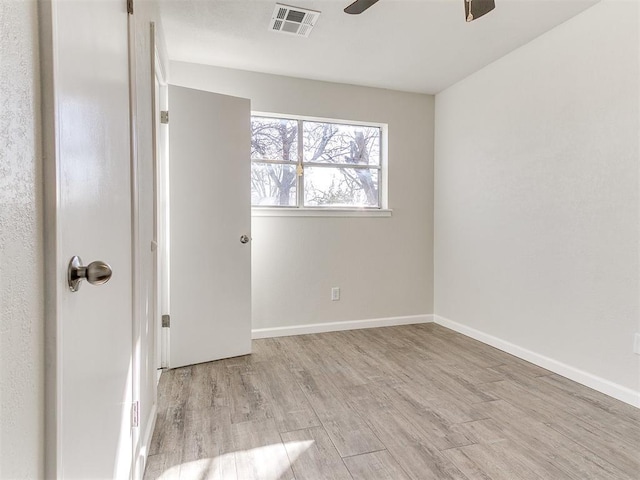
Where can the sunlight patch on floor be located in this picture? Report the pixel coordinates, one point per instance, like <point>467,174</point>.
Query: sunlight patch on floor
<point>270,462</point>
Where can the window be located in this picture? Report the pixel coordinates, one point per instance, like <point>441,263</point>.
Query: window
<point>311,163</point>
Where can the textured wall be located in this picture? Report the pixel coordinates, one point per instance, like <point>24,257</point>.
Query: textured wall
<point>536,209</point>
<point>21,263</point>
<point>382,265</point>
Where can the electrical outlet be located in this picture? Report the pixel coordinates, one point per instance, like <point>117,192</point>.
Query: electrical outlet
<point>335,294</point>
<point>636,343</point>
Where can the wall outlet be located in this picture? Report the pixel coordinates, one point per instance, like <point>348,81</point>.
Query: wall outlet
<point>335,294</point>
<point>636,343</point>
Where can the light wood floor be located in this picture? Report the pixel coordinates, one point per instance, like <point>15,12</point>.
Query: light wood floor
<point>416,402</point>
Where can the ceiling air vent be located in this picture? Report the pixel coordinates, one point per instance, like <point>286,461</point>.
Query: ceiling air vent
<point>293,20</point>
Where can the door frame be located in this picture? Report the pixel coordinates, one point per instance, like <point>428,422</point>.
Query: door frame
<point>160,135</point>
<point>136,254</point>
<point>50,211</point>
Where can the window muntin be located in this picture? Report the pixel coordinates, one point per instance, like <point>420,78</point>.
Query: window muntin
<point>333,165</point>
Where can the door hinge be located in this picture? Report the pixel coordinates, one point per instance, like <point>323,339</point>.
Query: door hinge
<point>164,116</point>
<point>166,321</point>
<point>135,414</point>
<point>130,7</point>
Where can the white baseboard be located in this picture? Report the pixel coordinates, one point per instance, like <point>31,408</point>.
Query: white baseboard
<point>602,385</point>
<point>339,326</point>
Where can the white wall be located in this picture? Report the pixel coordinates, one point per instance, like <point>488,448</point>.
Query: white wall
<point>536,198</point>
<point>382,265</point>
<point>21,262</point>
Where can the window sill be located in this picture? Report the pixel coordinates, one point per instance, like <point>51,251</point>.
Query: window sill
<point>319,212</point>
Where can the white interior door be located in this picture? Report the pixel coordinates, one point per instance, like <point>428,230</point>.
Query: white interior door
<point>89,215</point>
<point>210,210</point>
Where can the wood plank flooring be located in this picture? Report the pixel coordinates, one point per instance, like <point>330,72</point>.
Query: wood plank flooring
<point>400,403</point>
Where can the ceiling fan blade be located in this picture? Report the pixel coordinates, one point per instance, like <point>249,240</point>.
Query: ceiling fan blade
<point>359,6</point>
<point>474,9</point>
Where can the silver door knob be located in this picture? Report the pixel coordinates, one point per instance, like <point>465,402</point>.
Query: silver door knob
<point>96,273</point>
<point>244,239</point>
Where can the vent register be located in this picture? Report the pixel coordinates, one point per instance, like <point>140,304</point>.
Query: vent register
<point>293,20</point>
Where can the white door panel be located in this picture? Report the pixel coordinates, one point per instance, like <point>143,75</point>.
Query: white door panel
<point>93,341</point>
<point>210,269</point>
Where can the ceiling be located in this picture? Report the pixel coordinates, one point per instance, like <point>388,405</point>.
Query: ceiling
<point>409,45</point>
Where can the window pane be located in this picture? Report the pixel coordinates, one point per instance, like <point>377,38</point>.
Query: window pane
<point>335,143</point>
<point>274,139</point>
<point>340,187</point>
<point>273,184</point>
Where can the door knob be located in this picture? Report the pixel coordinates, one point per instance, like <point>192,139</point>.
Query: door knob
<point>96,273</point>
<point>244,239</point>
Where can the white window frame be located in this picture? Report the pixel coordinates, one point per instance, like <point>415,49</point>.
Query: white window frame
<point>382,210</point>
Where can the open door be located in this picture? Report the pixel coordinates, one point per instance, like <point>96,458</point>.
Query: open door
<point>210,220</point>
<point>85,65</point>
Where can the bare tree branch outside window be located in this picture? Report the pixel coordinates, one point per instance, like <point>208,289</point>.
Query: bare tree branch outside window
<point>273,139</point>
<point>341,163</point>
